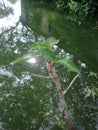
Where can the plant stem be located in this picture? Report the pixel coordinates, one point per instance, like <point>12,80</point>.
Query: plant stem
<point>38,75</point>
<point>61,96</point>
<point>64,92</point>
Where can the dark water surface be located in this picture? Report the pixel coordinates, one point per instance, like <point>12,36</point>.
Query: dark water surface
<point>24,100</point>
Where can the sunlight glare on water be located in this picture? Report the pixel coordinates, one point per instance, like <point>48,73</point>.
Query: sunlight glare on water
<point>32,60</point>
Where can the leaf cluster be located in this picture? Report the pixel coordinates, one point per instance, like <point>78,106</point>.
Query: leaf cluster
<point>45,49</point>
<point>92,93</point>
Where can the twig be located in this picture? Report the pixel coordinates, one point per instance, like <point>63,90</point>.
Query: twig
<point>4,4</point>
<point>38,75</point>
<point>71,84</point>
<point>11,29</point>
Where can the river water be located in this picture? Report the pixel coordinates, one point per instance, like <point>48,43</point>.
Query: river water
<point>25,100</point>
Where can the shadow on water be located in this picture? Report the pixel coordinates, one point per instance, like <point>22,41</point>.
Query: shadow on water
<point>25,99</point>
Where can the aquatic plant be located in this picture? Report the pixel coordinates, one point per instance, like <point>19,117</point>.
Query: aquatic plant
<point>45,49</point>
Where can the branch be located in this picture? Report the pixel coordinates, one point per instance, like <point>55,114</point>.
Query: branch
<point>38,75</point>
<point>71,84</point>
<point>4,4</point>
<point>11,29</point>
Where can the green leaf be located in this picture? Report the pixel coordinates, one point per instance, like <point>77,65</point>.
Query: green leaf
<point>93,93</point>
<point>47,53</point>
<point>88,95</point>
<point>69,64</point>
<point>26,57</point>
<point>48,43</point>
<point>92,74</point>
<point>57,118</point>
<point>40,45</point>
<point>48,113</point>
<point>96,90</point>
<point>21,59</point>
<point>52,41</point>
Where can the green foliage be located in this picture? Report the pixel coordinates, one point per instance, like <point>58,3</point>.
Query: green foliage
<point>73,6</point>
<point>93,93</point>
<point>44,49</point>
<point>60,4</point>
<point>26,57</point>
<point>57,120</point>
<point>38,45</point>
<point>69,64</point>
<point>47,44</point>
<point>92,74</point>
<point>79,9</point>
<point>47,54</point>
<point>52,41</point>
<point>48,113</point>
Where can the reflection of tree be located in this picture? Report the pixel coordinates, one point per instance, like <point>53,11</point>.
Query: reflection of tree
<point>15,40</point>
<point>17,32</point>
<point>12,1</point>
<point>4,10</point>
<point>84,110</point>
<point>10,29</point>
<point>21,106</point>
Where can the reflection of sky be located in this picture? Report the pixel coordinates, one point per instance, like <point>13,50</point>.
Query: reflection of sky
<point>8,22</point>
<point>11,19</point>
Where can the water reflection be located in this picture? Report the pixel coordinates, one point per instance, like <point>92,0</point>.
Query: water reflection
<point>81,40</point>
<point>25,99</point>
<point>5,10</point>
<point>32,60</point>
<point>11,15</point>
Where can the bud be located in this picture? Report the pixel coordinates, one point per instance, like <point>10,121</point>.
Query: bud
<point>49,66</point>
